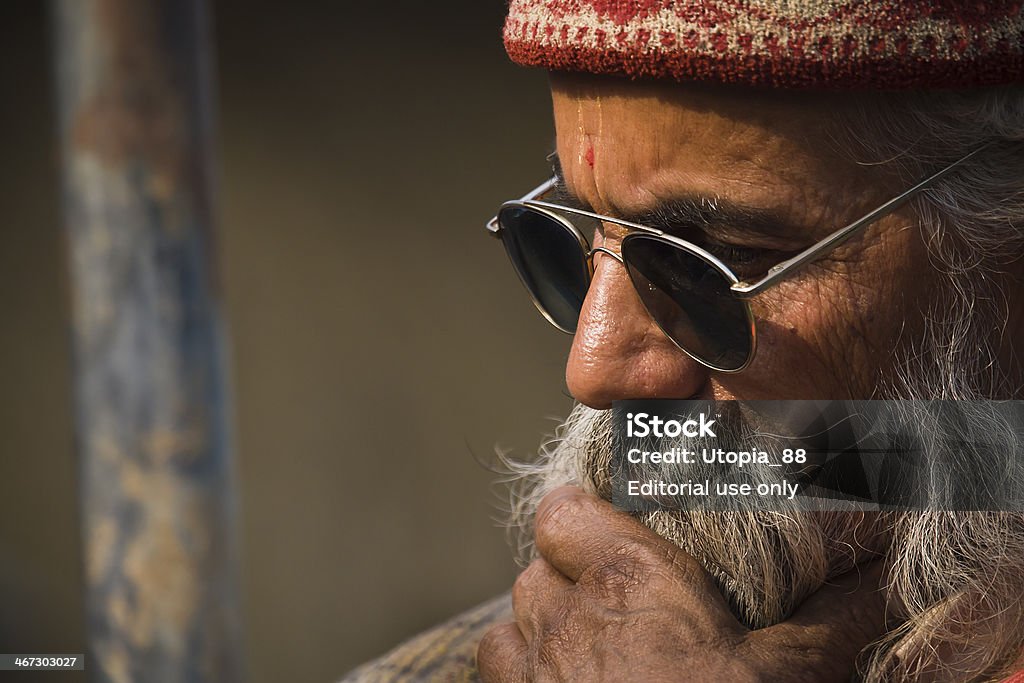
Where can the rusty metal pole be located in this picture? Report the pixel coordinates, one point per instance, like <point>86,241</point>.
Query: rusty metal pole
<point>135,106</point>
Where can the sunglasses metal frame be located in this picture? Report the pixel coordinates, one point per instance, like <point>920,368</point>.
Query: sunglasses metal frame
<point>744,290</point>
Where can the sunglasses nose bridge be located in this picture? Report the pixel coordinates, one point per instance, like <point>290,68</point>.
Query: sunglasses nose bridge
<point>604,250</point>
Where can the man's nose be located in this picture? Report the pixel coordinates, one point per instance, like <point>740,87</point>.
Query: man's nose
<point>619,352</point>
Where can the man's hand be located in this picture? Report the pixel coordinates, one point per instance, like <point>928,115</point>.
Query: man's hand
<point>609,600</point>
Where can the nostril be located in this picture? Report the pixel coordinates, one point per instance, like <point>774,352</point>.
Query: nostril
<point>630,360</point>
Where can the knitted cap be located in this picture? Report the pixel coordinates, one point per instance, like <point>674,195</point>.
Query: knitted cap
<point>888,44</point>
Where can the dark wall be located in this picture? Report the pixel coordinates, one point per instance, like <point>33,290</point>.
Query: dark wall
<point>381,344</point>
<point>40,574</point>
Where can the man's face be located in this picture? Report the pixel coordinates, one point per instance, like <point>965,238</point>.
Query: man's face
<point>830,330</point>
<point>874,318</point>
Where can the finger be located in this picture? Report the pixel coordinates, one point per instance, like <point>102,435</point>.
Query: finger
<point>589,541</point>
<point>538,591</point>
<point>501,656</point>
<point>846,614</point>
<point>574,531</point>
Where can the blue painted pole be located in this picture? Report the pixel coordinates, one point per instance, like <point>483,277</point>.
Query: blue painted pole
<point>134,93</point>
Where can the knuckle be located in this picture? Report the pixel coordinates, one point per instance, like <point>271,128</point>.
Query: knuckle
<point>561,513</point>
<point>495,636</point>
<point>557,641</point>
<point>526,581</point>
<point>616,577</point>
<point>486,644</point>
<point>486,648</point>
<point>616,572</point>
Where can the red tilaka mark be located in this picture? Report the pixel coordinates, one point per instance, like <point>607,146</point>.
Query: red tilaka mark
<point>589,156</point>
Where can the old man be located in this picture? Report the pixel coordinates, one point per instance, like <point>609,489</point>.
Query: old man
<point>821,199</point>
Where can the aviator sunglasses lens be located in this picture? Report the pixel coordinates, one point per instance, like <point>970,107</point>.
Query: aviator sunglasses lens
<point>549,260</point>
<point>689,298</point>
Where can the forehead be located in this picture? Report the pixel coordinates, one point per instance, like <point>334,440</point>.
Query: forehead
<point>625,145</point>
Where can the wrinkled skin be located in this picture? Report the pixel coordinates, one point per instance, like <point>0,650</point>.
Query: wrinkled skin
<point>607,599</point>
<point>618,603</point>
<point>827,332</point>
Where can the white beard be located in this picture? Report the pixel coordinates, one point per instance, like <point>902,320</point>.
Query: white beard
<point>766,563</point>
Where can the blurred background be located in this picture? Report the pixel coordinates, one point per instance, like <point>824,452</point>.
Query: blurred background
<point>362,146</point>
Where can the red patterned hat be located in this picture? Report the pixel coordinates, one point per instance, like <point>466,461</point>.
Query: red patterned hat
<point>783,43</point>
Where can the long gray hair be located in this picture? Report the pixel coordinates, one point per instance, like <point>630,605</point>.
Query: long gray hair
<point>957,579</point>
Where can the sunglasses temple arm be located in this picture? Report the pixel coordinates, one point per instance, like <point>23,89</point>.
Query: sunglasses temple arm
<point>776,273</point>
<point>539,191</point>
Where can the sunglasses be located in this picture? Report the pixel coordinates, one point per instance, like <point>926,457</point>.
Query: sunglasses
<point>695,298</point>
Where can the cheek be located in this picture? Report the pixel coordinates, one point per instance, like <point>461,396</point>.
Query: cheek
<point>833,334</point>
<point>806,348</point>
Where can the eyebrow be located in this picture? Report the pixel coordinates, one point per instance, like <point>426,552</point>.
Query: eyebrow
<point>680,216</point>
